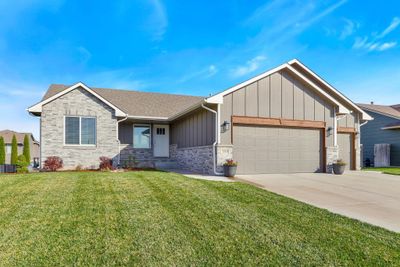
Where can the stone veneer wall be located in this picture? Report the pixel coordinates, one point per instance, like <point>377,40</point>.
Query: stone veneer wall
<point>332,154</point>
<point>195,159</point>
<point>78,102</point>
<point>200,159</point>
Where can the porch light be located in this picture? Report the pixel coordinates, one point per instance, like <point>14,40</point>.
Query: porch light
<point>329,130</point>
<point>226,126</point>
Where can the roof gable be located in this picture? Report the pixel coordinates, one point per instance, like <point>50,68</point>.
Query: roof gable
<point>135,104</point>
<point>218,98</point>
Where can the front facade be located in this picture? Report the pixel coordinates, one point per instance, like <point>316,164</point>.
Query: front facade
<point>384,129</point>
<point>285,120</point>
<point>33,145</point>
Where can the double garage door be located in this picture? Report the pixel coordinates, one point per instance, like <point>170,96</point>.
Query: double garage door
<point>265,149</point>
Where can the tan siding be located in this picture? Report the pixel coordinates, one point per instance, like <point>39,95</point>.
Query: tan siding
<point>263,97</point>
<point>194,130</point>
<point>298,105</point>
<point>226,112</point>
<point>308,104</point>
<point>319,109</point>
<point>276,95</point>
<point>251,100</point>
<point>239,103</point>
<point>287,97</point>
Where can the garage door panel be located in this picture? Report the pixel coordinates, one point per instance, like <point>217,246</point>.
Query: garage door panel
<point>276,150</point>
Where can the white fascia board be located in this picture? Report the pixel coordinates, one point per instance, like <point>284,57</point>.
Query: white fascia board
<point>365,115</point>
<point>390,128</point>
<point>37,108</point>
<point>218,98</point>
<point>342,109</point>
<point>148,118</point>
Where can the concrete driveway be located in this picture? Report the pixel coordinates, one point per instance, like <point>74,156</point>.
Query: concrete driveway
<point>367,196</point>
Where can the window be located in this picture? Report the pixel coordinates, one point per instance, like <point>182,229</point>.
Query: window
<point>141,136</point>
<point>160,131</point>
<point>8,149</point>
<point>80,130</point>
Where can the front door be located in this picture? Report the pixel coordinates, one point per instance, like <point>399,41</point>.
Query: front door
<point>161,140</point>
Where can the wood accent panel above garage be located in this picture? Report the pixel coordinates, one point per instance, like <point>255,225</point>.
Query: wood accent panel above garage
<point>277,122</point>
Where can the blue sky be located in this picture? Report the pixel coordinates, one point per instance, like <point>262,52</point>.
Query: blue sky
<point>192,47</point>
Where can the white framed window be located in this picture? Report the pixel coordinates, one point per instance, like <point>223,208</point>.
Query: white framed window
<point>141,136</point>
<point>79,130</point>
<point>8,149</point>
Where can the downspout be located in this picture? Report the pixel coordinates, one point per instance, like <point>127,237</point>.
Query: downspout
<point>216,136</point>
<point>118,141</point>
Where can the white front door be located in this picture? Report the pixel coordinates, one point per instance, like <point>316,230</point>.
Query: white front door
<point>161,140</point>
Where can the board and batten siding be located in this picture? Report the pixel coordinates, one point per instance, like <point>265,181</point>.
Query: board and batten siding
<point>372,133</point>
<point>279,95</point>
<point>196,129</point>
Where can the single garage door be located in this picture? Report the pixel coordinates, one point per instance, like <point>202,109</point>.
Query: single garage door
<point>345,141</point>
<point>262,149</point>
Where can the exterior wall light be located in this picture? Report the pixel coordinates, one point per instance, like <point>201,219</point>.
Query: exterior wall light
<point>226,126</point>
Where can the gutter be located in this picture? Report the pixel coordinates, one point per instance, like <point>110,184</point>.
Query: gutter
<point>118,141</point>
<point>216,138</point>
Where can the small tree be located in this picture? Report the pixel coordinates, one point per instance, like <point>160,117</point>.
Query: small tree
<point>27,149</point>
<point>2,151</point>
<point>14,150</point>
<point>22,164</point>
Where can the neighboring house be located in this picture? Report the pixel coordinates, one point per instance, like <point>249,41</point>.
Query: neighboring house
<point>285,120</point>
<point>33,144</point>
<point>384,129</point>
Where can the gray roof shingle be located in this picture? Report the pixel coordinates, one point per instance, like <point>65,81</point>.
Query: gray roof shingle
<point>136,103</point>
<point>383,109</point>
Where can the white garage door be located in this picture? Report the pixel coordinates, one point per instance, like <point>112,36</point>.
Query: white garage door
<point>260,149</point>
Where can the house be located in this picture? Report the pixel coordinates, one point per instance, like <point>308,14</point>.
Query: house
<point>287,119</point>
<point>384,129</point>
<point>33,145</point>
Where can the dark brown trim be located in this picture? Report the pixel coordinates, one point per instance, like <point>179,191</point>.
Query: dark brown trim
<point>346,130</point>
<point>353,147</point>
<point>245,120</point>
<point>323,147</point>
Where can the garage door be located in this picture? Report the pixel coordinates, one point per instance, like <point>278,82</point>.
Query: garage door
<point>345,149</point>
<point>261,149</point>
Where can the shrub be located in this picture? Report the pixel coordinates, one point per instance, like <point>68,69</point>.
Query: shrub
<point>105,164</point>
<point>130,163</point>
<point>340,162</point>
<point>53,163</point>
<point>2,151</point>
<point>14,150</point>
<point>230,162</point>
<point>78,167</point>
<point>22,164</point>
<point>27,149</point>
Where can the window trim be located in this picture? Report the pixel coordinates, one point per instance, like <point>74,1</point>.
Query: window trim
<point>151,136</point>
<point>80,130</point>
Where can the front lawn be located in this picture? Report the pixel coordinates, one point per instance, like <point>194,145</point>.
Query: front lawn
<point>156,218</point>
<point>387,170</point>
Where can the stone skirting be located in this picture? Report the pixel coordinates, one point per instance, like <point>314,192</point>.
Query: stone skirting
<point>143,157</point>
<point>196,159</point>
<point>332,154</point>
<point>224,152</point>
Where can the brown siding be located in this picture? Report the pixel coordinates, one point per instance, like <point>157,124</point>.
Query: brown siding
<point>279,95</point>
<point>196,129</point>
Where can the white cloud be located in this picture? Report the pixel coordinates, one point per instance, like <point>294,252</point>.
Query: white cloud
<point>386,46</point>
<point>206,72</point>
<point>85,55</point>
<point>393,25</point>
<point>158,20</point>
<point>349,28</point>
<point>250,66</point>
<point>362,43</point>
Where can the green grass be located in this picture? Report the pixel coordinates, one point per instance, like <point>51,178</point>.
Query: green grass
<point>156,218</point>
<point>387,170</point>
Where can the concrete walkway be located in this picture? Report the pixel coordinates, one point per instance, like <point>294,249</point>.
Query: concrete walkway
<point>371,197</point>
<point>202,176</point>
